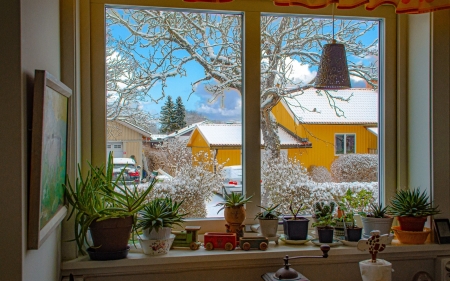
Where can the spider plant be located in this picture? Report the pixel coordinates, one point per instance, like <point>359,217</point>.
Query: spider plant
<point>97,197</point>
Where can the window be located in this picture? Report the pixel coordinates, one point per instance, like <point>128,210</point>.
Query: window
<point>252,17</point>
<point>344,144</point>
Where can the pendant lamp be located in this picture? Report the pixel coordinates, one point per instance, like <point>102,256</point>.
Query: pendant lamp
<point>333,70</point>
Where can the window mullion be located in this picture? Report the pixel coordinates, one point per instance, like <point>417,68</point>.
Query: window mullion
<point>251,139</point>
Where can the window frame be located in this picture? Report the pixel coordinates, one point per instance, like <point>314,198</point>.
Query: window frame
<point>93,69</point>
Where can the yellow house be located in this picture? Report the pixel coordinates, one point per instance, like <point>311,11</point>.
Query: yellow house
<point>226,141</point>
<point>310,115</point>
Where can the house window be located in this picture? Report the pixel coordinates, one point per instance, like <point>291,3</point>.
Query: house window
<point>344,144</point>
<point>252,17</point>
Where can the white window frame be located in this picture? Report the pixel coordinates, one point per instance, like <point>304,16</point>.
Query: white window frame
<point>93,85</point>
<point>345,143</point>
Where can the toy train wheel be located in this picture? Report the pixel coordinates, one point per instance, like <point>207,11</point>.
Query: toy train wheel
<point>263,246</point>
<point>193,246</point>
<point>209,246</point>
<point>229,246</point>
<point>246,246</point>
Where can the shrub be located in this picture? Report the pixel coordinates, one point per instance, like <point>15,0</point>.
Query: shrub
<point>320,174</point>
<point>355,168</point>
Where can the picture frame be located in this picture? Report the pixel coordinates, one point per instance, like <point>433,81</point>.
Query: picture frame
<point>442,229</point>
<point>48,165</point>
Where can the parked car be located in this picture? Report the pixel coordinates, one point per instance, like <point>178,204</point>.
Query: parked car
<point>232,179</point>
<point>132,171</point>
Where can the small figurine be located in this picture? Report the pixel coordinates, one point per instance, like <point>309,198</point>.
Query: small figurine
<point>375,244</point>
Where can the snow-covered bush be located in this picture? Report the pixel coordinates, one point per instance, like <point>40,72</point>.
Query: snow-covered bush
<point>169,155</point>
<point>285,180</point>
<point>194,181</point>
<point>320,174</point>
<point>355,168</point>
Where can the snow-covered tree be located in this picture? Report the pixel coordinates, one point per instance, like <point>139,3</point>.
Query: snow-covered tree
<point>214,41</point>
<point>167,117</point>
<point>180,113</point>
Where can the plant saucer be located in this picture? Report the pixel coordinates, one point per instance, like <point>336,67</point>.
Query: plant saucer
<point>295,242</point>
<point>349,243</point>
<point>332,244</point>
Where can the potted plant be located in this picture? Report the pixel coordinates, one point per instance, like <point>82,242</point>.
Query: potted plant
<point>350,203</point>
<point>268,220</point>
<point>324,221</point>
<point>376,219</point>
<point>411,207</point>
<point>295,228</point>
<point>234,210</point>
<point>156,220</point>
<point>106,208</point>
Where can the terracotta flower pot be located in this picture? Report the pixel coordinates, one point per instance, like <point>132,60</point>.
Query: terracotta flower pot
<point>412,223</point>
<point>111,235</point>
<point>234,215</point>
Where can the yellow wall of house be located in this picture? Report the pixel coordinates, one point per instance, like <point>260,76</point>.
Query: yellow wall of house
<point>322,139</point>
<point>132,141</point>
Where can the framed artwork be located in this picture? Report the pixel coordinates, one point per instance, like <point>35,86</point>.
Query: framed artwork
<point>48,157</point>
<point>442,228</point>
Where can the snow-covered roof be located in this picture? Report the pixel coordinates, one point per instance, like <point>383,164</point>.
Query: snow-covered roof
<point>134,127</point>
<point>362,108</point>
<point>185,130</point>
<point>230,136</point>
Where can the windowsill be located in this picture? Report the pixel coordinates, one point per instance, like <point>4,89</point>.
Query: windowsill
<point>185,259</point>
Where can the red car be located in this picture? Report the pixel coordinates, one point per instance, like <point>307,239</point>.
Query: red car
<point>220,240</point>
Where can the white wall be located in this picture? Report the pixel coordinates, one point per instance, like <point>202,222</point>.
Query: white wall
<point>31,30</point>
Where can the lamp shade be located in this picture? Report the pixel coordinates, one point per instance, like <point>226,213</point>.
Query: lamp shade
<point>333,70</point>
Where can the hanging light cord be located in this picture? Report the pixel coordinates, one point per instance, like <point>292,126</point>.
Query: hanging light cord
<point>332,14</point>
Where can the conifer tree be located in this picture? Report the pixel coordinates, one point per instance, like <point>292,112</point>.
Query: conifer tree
<point>180,113</point>
<point>167,115</point>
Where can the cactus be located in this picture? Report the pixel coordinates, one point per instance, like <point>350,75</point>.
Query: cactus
<point>322,209</point>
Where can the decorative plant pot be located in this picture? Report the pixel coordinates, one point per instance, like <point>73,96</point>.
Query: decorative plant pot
<point>353,234</point>
<point>339,229</point>
<point>157,247</point>
<point>111,235</point>
<point>295,229</point>
<point>382,224</point>
<point>412,223</point>
<point>325,234</point>
<point>234,215</point>
<point>268,227</point>
<point>162,233</point>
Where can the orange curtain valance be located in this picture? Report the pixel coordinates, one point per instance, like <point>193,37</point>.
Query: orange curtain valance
<point>402,6</point>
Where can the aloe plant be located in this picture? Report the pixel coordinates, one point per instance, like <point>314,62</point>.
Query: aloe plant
<point>160,212</point>
<point>411,203</point>
<point>268,213</point>
<point>97,197</point>
<point>233,200</point>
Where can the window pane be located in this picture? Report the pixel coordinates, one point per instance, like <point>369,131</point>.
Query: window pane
<point>317,128</point>
<point>174,92</point>
<point>339,144</point>
<point>350,144</point>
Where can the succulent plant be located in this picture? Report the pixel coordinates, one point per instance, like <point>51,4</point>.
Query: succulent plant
<point>377,211</point>
<point>233,200</point>
<point>160,212</point>
<point>411,203</point>
<point>322,209</point>
<point>268,213</point>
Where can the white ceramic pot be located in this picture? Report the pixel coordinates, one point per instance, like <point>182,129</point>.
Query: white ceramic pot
<point>157,247</point>
<point>268,227</point>
<point>380,270</point>
<point>382,224</point>
<point>162,233</point>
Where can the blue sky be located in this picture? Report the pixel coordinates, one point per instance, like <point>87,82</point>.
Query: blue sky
<point>200,100</point>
